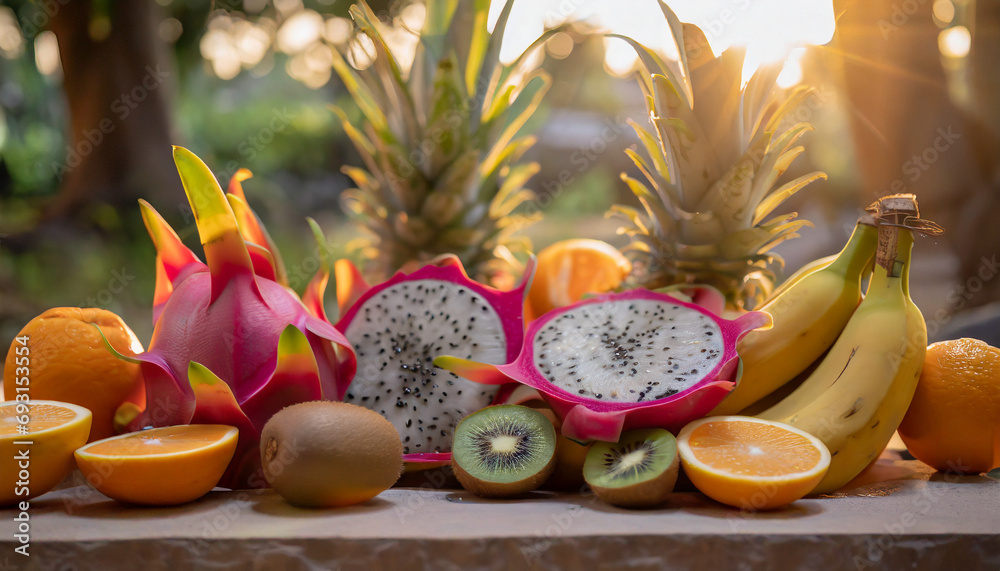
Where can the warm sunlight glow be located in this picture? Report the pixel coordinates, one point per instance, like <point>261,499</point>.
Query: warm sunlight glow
<point>47,53</point>
<point>361,52</point>
<point>944,11</point>
<point>11,43</point>
<point>413,17</point>
<point>769,30</point>
<point>560,45</point>
<point>338,30</point>
<point>791,74</point>
<point>955,42</point>
<point>300,31</point>
<point>619,57</point>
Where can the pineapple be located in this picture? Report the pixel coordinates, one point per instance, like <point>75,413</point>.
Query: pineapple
<point>711,170</point>
<point>441,143</point>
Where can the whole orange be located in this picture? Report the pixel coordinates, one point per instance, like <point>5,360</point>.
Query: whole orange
<point>953,423</point>
<point>60,356</point>
<point>569,269</point>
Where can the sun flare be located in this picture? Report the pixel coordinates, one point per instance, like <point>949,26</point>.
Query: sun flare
<point>770,31</point>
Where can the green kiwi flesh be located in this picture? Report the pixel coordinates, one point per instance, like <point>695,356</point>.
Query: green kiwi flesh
<point>502,451</point>
<point>638,471</point>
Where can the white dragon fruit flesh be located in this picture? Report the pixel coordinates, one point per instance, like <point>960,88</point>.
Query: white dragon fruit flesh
<point>626,360</point>
<point>398,327</point>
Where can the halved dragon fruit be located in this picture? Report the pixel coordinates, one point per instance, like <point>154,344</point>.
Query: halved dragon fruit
<point>626,360</point>
<point>398,327</point>
<point>232,344</point>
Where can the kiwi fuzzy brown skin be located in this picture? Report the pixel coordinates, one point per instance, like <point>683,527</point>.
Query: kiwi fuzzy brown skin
<point>644,494</point>
<point>485,488</point>
<point>323,454</point>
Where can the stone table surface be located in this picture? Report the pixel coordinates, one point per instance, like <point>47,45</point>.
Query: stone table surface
<point>898,515</point>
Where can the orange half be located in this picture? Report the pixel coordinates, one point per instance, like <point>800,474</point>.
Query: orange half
<point>751,463</point>
<point>569,269</point>
<point>161,466</point>
<point>38,439</point>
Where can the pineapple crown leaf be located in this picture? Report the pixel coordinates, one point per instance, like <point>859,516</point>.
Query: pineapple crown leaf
<point>480,53</point>
<point>363,97</point>
<point>483,78</point>
<point>630,214</point>
<point>654,149</point>
<point>783,192</point>
<point>655,65</point>
<point>510,154</point>
<point>361,142</point>
<point>677,33</point>
<point>525,102</point>
<point>512,192</point>
<point>640,163</point>
<point>794,99</point>
<point>394,89</point>
<point>660,213</point>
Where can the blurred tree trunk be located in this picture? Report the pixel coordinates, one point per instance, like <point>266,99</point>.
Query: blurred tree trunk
<point>117,78</point>
<point>910,135</point>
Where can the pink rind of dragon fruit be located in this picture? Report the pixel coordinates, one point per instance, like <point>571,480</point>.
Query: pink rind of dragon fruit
<point>399,326</point>
<point>232,343</point>
<point>636,359</point>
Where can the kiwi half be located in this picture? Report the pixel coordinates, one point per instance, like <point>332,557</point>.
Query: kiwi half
<point>638,471</point>
<point>502,451</point>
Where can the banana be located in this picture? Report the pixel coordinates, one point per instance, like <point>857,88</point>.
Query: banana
<point>808,315</point>
<point>863,447</point>
<point>807,269</point>
<point>858,395</point>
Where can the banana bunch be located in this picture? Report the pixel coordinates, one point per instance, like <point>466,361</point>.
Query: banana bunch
<point>858,392</point>
<point>808,310</point>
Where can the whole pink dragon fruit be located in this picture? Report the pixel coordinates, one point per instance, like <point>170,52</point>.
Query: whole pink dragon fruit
<point>232,344</point>
<point>398,327</point>
<point>626,360</point>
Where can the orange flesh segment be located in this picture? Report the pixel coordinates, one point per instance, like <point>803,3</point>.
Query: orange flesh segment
<point>180,439</point>
<point>40,417</point>
<point>752,449</point>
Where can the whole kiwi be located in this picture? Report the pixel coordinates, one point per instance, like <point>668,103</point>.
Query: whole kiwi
<point>329,454</point>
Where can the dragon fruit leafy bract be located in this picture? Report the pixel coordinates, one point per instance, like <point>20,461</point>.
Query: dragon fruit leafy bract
<point>627,360</point>
<point>398,327</point>
<point>230,344</point>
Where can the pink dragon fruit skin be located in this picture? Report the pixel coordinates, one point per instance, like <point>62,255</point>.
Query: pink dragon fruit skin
<point>353,293</point>
<point>232,345</point>
<point>584,418</point>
